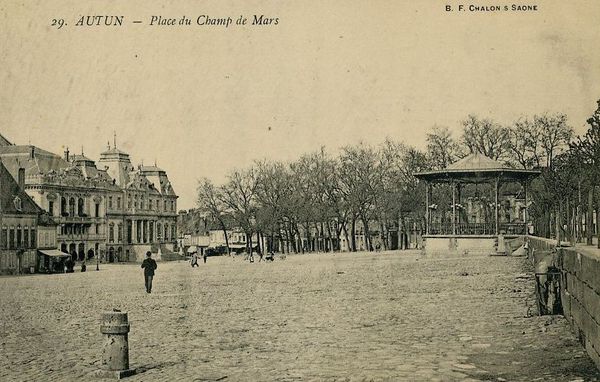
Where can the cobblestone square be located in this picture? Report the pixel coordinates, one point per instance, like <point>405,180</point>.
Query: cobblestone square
<point>332,317</point>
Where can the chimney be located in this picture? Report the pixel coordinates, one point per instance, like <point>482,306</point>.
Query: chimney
<point>31,152</point>
<point>21,178</point>
<point>67,154</point>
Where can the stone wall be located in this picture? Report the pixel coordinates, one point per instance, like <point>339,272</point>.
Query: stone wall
<point>457,246</point>
<point>580,289</point>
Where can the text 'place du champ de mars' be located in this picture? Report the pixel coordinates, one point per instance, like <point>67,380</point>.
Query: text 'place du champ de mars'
<point>160,20</point>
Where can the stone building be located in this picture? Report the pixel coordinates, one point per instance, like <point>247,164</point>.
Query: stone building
<point>111,209</point>
<point>142,212</point>
<point>24,227</point>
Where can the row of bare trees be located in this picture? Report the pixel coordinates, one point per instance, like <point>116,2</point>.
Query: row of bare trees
<point>311,204</point>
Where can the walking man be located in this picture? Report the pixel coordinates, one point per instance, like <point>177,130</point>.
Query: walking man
<point>194,260</point>
<point>149,266</point>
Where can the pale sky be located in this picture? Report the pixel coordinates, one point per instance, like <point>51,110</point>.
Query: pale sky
<point>203,100</point>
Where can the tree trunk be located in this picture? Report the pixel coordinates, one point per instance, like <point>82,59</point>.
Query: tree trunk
<point>353,232</point>
<point>588,221</point>
<point>367,234</point>
<point>383,235</point>
<point>557,226</point>
<point>568,232</point>
<point>346,236</point>
<point>578,214</point>
<point>226,238</point>
<point>329,236</point>
<point>400,230</point>
<point>308,243</point>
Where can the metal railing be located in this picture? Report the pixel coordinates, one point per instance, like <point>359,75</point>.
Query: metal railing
<point>477,228</point>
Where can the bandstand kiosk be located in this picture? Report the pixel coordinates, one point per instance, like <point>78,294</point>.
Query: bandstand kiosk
<point>482,204</point>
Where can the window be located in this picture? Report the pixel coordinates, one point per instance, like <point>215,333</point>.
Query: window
<point>120,233</point>
<point>111,233</point>
<point>110,202</point>
<point>33,238</point>
<point>26,237</point>
<point>63,207</point>
<point>72,207</point>
<point>119,202</point>
<point>157,205</point>
<point>11,238</point>
<point>51,208</point>
<point>19,237</point>
<point>18,203</point>
<point>129,201</point>
<point>165,205</point>
<point>135,203</point>
<point>80,209</point>
<point>4,238</point>
<point>97,229</point>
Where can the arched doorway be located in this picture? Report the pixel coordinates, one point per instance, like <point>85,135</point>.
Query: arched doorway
<point>90,254</point>
<point>73,251</point>
<point>81,252</point>
<point>120,254</point>
<point>111,255</point>
<point>63,248</point>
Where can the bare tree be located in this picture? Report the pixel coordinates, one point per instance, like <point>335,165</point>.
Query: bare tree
<point>210,203</point>
<point>486,137</point>
<point>239,196</point>
<point>555,134</point>
<point>442,149</point>
<point>524,143</point>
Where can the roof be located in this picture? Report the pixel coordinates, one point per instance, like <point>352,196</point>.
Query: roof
<point>114,150</point>
<point>33,159</point>
<point>151,169</point>
<point>476,168</point>
<point>10,191</point>
<point>82,158</point>
<point>4,141</point>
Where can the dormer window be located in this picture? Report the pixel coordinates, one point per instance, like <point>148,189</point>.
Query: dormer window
<point>18,203</point>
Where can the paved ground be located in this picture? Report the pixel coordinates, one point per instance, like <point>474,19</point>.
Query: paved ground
<point>343,317</point>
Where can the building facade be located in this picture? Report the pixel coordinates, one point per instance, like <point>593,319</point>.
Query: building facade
<point>111,210</point>
<point>24,227</point>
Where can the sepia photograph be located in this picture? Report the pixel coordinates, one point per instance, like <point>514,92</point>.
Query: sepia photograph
<point>264,190</point>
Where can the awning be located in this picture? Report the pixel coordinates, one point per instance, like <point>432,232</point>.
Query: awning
<point>192,249</point>
<point>53,253</point>
<point>239,246</point>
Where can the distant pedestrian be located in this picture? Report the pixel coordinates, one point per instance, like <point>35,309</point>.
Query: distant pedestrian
<point>149,266</point>
<point>194,260</point>
<point>83,267</point>
<point>204,255</point>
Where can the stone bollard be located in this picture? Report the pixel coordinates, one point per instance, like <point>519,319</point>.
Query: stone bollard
<point>115,350</point>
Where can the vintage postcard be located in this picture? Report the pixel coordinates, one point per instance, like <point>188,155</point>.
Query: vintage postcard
<point>300,190</point>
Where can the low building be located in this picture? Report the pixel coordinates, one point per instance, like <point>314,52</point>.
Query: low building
<point>24,227</point>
